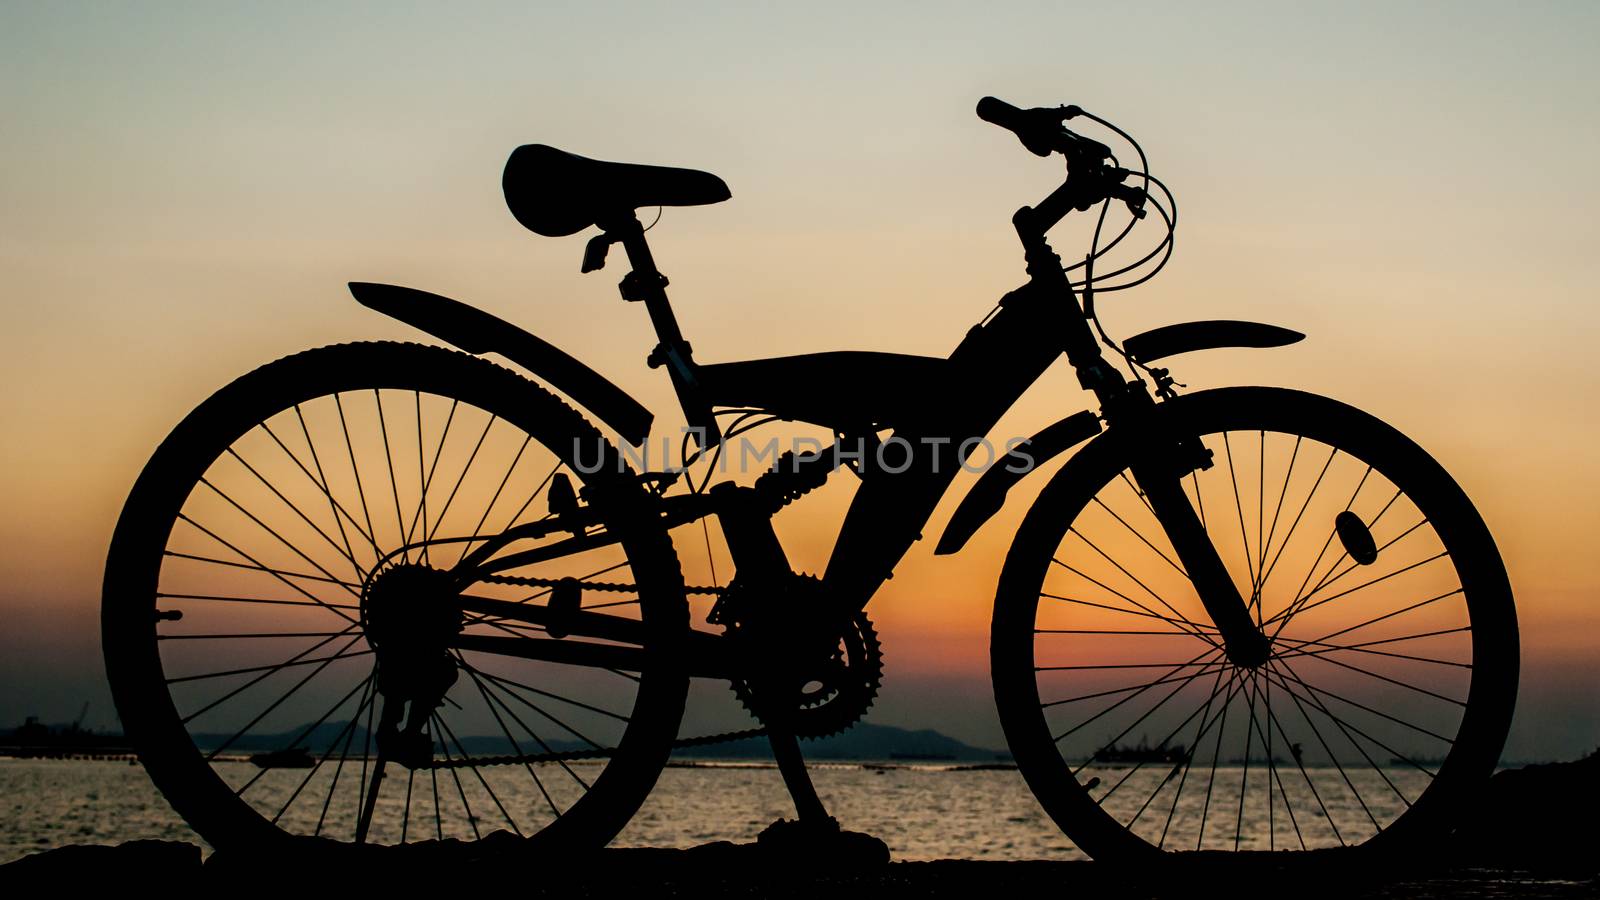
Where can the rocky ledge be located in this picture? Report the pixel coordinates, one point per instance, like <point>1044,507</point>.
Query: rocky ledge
<point>1534,834</point>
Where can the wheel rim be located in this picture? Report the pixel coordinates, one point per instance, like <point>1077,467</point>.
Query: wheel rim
<point>1378,698</point>
<point>270,558</point>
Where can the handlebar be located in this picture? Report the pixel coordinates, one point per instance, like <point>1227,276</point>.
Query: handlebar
<point>1041,131</point>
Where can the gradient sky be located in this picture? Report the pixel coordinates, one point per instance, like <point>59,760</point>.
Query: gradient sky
<point>185,189</point>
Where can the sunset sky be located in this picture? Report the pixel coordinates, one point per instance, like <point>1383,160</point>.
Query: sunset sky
<point>185,189</point>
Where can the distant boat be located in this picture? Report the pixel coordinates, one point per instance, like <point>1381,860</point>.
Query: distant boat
<point>1142,753</point>
<point>35,740</point>
<point>293,758</point>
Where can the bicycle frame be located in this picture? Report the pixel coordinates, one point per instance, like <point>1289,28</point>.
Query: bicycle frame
<point>993,365</point>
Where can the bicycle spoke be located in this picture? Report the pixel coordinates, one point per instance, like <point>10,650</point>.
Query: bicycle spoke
<point>507,682</point>
<point>1244,776</point>
<point>1168,678</point>
<point>367,698</point>
<point>322,483</point>
<point>1431,600</point>
<point>361,491</point>
<point>499,489</point>
<point>1355,565</point>
<point>1159,745</point>
<point>265,674</point>
<point>222,599</point>
<point>1332,757</point>
<point>1158,598</point>
<point>1289,614</point>
<point>342,551</point>
<point>1181,621</point>
<point>481,780</point>
<point>460,479</point>
<point>271,668</point>
<point>1266,544</point>
<point>1177,623</point>
<point>1362,706</point>
<point>1188,758</point>
<point>1289,535</point>
<point>1273,720</point>
<point>1299,651</point>
<point>277,634</point>
<point>388,459</point>
<point>361,686</point>
<point>1136,722</point>
<point>420,515</point>
<point>278,702</point>
<point>1300,593</point>
<point>515,747</point>
<point>558,722</point>
<point>500,697</point>
<point>256,564</point>
<point>1211,780</point>
<point>1276,777</point>
<point>1141,537</point>
<point>253,566</point>
<point>1238,506</point>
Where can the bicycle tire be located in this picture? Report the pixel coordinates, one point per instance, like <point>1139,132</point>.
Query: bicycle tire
<point>1059,583</point>
<point>263,429</point>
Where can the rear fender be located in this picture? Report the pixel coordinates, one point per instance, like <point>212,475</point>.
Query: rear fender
<point>478,332</point>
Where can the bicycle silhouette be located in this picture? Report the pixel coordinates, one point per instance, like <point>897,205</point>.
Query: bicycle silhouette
<point>374,560</point>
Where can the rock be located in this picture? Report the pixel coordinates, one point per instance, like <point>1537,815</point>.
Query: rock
<point>150,862</point>
<point>1541,817</point>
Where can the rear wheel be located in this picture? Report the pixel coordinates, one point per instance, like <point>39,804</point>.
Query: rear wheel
<point>1393,665</point>
<point>294,530</point>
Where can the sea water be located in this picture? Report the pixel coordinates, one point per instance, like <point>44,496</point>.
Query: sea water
<point>922,811</point>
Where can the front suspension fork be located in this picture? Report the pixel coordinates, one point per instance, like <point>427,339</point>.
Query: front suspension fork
<point>1162,484</point>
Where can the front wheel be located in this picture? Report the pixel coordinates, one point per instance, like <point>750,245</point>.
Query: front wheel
<point>273,603</point>
<point>1392,670</point>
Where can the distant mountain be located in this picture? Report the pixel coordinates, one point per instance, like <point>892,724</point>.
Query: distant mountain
<point>863,742</point>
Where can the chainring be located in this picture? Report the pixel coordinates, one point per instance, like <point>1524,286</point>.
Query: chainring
<point>838,694</point>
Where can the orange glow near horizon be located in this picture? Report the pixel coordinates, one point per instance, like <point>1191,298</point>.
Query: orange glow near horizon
<point>188,192</point>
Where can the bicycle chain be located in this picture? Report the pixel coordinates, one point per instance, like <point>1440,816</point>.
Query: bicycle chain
<point>578,755</point>
<point>616,587</point>
<point>599,753</point>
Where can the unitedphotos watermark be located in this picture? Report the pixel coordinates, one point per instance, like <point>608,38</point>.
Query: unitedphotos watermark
<point>892,455</point>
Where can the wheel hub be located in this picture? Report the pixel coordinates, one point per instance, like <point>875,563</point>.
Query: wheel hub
<point>411,613</point>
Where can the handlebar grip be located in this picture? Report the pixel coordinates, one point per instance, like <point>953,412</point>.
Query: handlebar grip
<point>999,112</point>
<point>1017,121</point>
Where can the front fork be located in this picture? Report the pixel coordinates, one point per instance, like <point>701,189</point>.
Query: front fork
<point>1165,457</point>
<point>1161,482</point>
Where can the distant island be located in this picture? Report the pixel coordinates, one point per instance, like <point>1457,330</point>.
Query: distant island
<point>864,742</point>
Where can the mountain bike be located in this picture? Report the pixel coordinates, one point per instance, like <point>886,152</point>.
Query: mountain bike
<point>390,592</point>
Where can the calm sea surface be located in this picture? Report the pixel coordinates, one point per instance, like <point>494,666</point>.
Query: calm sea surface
<point>923,812</point>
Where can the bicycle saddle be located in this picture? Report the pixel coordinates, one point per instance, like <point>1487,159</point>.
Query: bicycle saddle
<point>555,193</point>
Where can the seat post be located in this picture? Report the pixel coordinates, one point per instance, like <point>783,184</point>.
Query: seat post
<point>645,283</point>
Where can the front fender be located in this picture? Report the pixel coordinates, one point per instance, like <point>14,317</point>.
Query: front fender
<point>1187,337</point>
<point>989,493</point>
<point>478,332</point>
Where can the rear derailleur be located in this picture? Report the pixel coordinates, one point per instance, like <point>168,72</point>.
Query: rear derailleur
<point>409,620</point>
